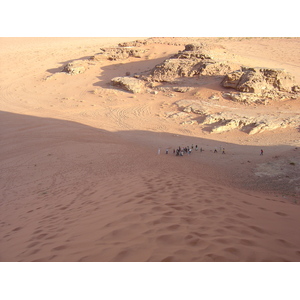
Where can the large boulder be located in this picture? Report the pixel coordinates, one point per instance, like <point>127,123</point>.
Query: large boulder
<point>257,80</point>
<point>129,84</point>
<point>75,67</point>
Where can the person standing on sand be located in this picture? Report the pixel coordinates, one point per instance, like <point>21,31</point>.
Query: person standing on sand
<point>223,151</point>
<point>158,151</point>
<point>261,152</point>
<point>167,151</point>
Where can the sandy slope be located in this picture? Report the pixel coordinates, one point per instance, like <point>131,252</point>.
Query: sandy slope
<point>81,179</point>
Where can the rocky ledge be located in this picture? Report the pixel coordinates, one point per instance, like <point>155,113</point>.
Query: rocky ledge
<point>218,118</point>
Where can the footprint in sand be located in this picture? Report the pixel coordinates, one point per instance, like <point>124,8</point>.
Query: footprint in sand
<point>257,229</point>
<point>208,212</point>
<point>215,257</point>
<point>168,259</point>
<point>283,242</point>
<point>262,208</point>
<point>34,251</point>
<point>247,242</point>
<point>121,256</point>
<point>32,244</point>
<point>242,216</point>
<point>248,203</point>
<point>17,229</point>
<point>232,250</point>
<point>62,247</point>
<point>280,213</point>
<point>173,227</point>
<point>194,242</point>
<point>167,239</point>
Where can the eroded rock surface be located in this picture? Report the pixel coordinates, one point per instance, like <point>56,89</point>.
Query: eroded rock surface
<point>195,59</point>
<point>255,80</point>
<point>226,121</point>
<point>129,84</point>
<point>118,53</point>
<point>222,118</point>
<point>260,85</point>
<point>75,67</point>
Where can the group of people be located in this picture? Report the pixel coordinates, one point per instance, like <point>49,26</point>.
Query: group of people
<point>180,151</point>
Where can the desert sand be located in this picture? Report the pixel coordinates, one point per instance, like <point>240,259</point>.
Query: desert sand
<point>81,178</point>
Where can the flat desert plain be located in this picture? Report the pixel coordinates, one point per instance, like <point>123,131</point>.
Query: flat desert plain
<point>84,170</point>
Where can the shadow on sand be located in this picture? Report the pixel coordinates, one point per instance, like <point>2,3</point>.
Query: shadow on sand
<point>34,138</point>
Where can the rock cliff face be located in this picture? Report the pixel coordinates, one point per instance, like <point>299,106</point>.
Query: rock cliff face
<point>193,60</point>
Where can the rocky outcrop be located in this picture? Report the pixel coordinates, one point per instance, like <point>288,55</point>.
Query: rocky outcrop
<point>129,84</point>
<point>262,98</point>
<point>227,121</point>
<point>118,53</point>
<point>260,85</point>
<point>198,107</point>
<point>195,59</point>
<point>75,67</point>
<point>222,118</point>
<point>257,80</point>
<point>137,43</point>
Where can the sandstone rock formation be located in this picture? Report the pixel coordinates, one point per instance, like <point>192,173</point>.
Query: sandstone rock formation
<point>200,107</point>
<point>193,60</point>
<point>130,84</point>
<point>137,43</point>
<point>259,85</point>
<point>75,67</point>
<point>223,118</point>
<point>255,80</point>
<point>262,98</point>
<point>226,121</point>
<point>118,53</point>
